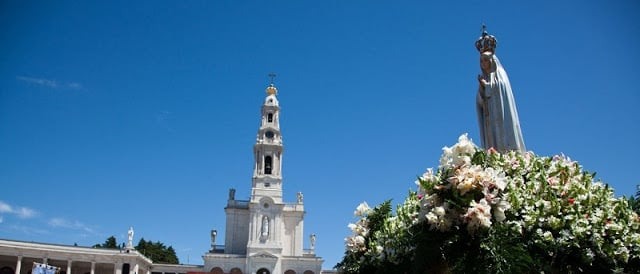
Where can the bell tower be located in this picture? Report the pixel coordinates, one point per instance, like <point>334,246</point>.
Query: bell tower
<point>267,230</point>
<point>267,171</point>
<point>265,234</point>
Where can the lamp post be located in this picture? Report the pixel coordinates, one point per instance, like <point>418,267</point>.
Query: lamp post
<point>214,233</point>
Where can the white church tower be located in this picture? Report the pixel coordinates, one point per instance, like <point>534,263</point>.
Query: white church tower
<point>264,235</point>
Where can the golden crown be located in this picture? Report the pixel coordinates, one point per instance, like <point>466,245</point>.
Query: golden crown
<point>486,42</point>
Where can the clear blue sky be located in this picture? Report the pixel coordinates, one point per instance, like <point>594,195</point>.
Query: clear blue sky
<point>144,114</point>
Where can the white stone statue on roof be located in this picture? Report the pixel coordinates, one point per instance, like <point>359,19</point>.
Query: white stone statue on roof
<point>130,237</point>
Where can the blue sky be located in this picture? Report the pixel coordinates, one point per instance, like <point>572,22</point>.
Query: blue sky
<point>144,114</point>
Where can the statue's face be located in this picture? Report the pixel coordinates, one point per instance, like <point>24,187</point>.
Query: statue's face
<point>485,63</point>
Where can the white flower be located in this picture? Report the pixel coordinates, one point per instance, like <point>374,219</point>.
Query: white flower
<point>359,228</point>
<point>355,243</point>
<point>555,222</point>
<point>499,210</point>
<point>379,249</point>
<point>461,160</point>
<point>517,226</point>
<point>464,145</point>
<point>497,178</point>
<point>359,240</point>
<point>467,178</point>
<point>362,209</point>
<point>446,158</point>
<point>547,236</point>
<point>428,176</point>
<point>458,155</point>
<point>432,218</point>
<point>589,253</point>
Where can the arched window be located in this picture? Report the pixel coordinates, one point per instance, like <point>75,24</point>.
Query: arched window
<point>268,164</point>
<point>217,270</point>
<point>270,117</point>
<point>269,134</point>
<point>235,270</point>
<point>289,272</point>
<point>263,271</point>
<point>308,272</point>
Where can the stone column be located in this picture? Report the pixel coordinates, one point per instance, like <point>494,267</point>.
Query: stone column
<point>93,267</point>
<point>276,228</point>
<point>136,268</point>
<point>45,260</point>
<point>276,157</point>
<point>117,268</point>
<point>69,267</point>
<point>19,265</point>
<point>275,164</point>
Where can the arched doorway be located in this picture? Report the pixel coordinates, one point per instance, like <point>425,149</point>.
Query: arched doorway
<point>7,270</point>
<point>217,270</point>
<point>263,271</point>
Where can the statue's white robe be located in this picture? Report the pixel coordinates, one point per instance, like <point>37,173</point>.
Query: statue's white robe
<point>497,113</point>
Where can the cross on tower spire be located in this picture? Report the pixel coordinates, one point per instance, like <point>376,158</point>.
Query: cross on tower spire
<point>272,75</point>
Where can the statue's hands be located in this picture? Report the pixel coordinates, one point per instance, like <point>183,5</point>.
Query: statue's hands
<point>481,81</point>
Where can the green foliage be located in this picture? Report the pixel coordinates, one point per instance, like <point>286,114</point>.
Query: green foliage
<point>634,201</point>
<point>157,252</point>
<point>503,250</point>
<point>375,221</point>
<point>109,243</point>
<point>379,215</point>
<point>383,242</point>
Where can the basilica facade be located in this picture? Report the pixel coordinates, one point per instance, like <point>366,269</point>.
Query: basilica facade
<point>264,234</point>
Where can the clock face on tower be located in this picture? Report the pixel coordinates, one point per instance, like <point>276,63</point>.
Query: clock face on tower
<point>268,134</point>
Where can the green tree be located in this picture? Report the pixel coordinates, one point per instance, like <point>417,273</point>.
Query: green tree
<point>109,243</point>
<point>157,252</point>
<point>634,201</point>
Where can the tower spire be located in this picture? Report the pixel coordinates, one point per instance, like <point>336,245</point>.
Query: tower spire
<point>267,175</point>
<point>271,89</point>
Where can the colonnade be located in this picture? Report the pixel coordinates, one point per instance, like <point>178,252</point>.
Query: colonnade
<point>23,265</point>
<point>19,257</point>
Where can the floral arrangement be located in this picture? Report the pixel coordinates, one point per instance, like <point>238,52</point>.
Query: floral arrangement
<point>489,212</point>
